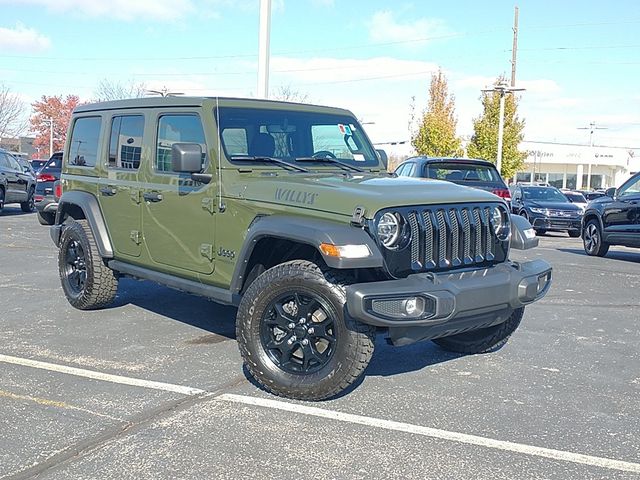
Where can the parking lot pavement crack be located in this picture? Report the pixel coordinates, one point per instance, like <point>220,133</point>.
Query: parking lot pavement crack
<point>136,423</point>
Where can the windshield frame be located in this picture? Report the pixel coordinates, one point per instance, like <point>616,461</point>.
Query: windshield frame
<point>296,125</point>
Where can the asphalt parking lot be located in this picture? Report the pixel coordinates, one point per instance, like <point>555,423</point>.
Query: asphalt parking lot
<point>153,387</point>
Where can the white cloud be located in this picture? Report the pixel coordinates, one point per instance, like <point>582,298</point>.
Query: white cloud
<point>384,27</point>
<point>121,9</point>
<point>22,40</point>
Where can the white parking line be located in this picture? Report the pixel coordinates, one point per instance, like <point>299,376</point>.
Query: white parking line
<point>435,433</point>
<point>339,416</point>
<point>105,377</point>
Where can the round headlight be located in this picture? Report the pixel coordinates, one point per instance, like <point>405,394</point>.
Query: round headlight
<point>389,228</point>
<point>500,223</point>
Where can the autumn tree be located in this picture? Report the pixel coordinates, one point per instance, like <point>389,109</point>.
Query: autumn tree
<point>436,134</point>
<point>12,114</point>
<point>114,90</point>
<point>484,142</point>
<point>58,110</point>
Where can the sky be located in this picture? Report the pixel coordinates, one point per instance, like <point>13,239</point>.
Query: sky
<point>579,61</point>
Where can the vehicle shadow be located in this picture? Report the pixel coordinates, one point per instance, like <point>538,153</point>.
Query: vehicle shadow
<point>611,255</point>
<point>12,211</point>
<point>192,310</point>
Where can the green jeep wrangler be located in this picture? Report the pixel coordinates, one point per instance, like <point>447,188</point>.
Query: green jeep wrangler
<point>286,211</point>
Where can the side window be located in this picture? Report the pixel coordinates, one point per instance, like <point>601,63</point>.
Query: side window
<point>235,141</point>
<point>13,163</point>
<point>3,160</point>
<point>401,170</point>
<point>83,149</point>
<point>632,188</point>
<point>172,129</point>
<point>411,170</point>
<point>125,143</point>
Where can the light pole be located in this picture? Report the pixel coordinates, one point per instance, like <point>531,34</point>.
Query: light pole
<point>592,126</point>
<point>263,49</point>
<point>503,88</point>
<point>50,122</point>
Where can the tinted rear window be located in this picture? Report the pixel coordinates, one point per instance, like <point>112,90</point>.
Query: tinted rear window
<point>463,172</point>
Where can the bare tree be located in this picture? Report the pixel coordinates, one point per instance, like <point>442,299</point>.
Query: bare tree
<point>114,90</point>
<point>13,121</point>
<point>289,94</point>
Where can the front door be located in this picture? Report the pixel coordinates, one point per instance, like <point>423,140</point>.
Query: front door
<point>15,179</point>
<point>622,216</point>
<point>178,213</point>
<point>119,193</point>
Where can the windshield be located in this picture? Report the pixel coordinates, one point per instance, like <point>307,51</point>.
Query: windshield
<point>288,135</point>
<point>544,194</point>
<point>464,172</point>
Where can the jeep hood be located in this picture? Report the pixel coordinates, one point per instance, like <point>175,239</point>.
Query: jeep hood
<point>341,194</point>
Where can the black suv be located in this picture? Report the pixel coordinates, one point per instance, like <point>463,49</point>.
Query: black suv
<point>46,203</point>
<point>16,185</point>
<point>613,219</point>
<point>546,208</point>
<point>469,172</point>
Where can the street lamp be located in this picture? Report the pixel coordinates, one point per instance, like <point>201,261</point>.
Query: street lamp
<point>503,88</point>
<point>50,122</point>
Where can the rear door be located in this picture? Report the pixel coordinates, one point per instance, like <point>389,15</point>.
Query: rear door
<point>178,212</point>
<point>119,193</point>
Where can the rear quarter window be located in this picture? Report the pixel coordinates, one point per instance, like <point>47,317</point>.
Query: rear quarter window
<point>83,146</point>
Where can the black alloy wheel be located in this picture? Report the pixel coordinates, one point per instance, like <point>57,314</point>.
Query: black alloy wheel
<point>30,205</point>
<point>1,199</point>
<point>75,269</point>
<point>298,332</point>
<point>592,240</point>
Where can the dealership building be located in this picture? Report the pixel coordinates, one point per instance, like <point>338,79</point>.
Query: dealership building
<point>579,167</point>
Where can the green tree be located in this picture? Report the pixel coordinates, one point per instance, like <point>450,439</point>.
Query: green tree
<point>436,134</point>
<point>484,143</point>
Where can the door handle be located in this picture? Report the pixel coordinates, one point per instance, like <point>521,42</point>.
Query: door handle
<point>108,191</point>
<point>152,197</point>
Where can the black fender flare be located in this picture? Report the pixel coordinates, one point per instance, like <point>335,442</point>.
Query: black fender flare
<point>88,203</point>
<point>309,231</point>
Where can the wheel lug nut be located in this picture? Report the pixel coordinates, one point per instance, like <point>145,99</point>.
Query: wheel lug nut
<point>305,341</point>
<point>311,331</point>
<point>291,340</point>
<point>302,320</point>
<point>292,325</point>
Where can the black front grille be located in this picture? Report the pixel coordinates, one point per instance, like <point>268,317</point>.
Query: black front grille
<point>445,237</point>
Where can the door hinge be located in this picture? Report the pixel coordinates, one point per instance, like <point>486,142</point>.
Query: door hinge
<point>136,237</point>
<point>208,204</point>
<point>206,250</point>
<point>135,195</point>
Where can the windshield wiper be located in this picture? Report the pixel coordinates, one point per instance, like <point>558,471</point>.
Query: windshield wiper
<point>260,158</point>
<point>344,166</point>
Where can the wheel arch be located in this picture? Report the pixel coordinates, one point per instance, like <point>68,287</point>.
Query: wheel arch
<point>592,215</point>
<point>273,240</point>
<point>83,205</point>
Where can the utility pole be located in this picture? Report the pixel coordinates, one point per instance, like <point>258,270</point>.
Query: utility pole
<point>502,88</point>
<point>49,120</point>
<point>263,49</point>
<point>514,50</point>
<point>592,127</point>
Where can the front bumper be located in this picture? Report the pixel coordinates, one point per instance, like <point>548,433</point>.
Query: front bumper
<point>556,223</point>
<point>468,298</point>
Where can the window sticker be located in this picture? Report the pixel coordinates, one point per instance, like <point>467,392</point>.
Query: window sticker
<point>344,129</point>
<point>358,157</point>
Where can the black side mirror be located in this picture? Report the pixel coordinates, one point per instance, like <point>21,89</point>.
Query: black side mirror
<point>383,157</point>
<point>186,157</point>
<point>610,192</point>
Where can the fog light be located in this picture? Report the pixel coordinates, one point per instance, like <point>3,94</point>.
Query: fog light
<point>402,308</point>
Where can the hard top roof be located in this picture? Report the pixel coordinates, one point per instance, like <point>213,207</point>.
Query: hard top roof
<point>183,101</point>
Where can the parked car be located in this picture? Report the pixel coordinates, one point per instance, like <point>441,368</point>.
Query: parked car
<point>576,198</point>
<point>16,185</point>
<point>591,195</point>
<point>26,166</point>
<point>462,171</point>
<point>613,219</point>
<point>38,163</point>
<point>547,209</point>
<point>45,202</point>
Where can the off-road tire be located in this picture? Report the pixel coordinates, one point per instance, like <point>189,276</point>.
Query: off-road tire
<point>46,218</point>
<point>100,282</point>
<point>574,233</point>
<point>483,340</point>
<point>29,206</point>
<point>592,239</point>
<point>354,341</point>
